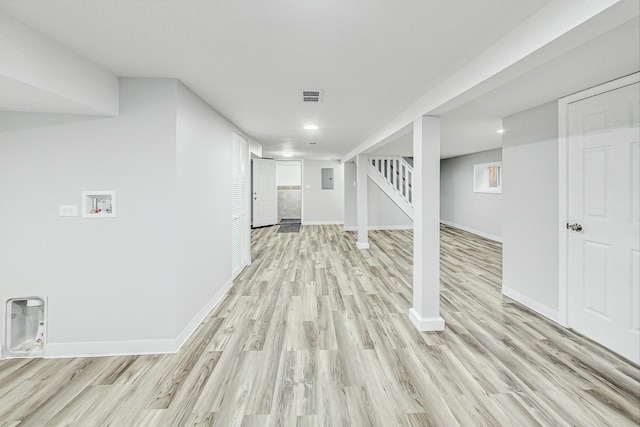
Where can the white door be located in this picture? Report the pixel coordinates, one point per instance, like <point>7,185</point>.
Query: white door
<point>265,193</point>
<point>240,228</point>
<point>603,236</point>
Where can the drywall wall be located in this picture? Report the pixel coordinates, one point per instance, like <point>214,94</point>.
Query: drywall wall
<point>384,214</point>
<point>460,206</point>
<point>401,146</point>
<point>530,208</point>
<point>255,149</point>
<point>140,282</point>
<point>109,282</point>
<point>40,75</point>
<point>350,196</point>
<point>203,176</point>
<point>289,182</point>
<point>322,206</point>
<point>288,172</point>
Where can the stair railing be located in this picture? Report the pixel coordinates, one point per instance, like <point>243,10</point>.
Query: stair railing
<point>398,174</point>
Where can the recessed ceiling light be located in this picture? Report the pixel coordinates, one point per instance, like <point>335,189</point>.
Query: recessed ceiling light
<point>287,154</point>
<point>500,130</point>
<point>311,127</point>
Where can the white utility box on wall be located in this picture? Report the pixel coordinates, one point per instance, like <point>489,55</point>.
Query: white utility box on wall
<point>25,324</point>
<point>98,204</point>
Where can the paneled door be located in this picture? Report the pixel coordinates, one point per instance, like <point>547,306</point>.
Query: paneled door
<point>265,193</point>
<point>603,182</point>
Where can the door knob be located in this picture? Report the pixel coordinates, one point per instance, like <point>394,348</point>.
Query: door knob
<point>574,227</point>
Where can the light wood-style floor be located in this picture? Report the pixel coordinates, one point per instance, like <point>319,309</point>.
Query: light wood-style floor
<point>316,332</point>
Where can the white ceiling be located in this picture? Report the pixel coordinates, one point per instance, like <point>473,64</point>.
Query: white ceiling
<point>249,59</point>
<point>373,59</point>
<point>473,127</point>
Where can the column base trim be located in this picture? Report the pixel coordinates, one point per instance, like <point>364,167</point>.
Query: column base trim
<point>426,324</point>
<point>360,245</point>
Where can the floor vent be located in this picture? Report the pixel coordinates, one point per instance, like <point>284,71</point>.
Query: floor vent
<point>311,96</point>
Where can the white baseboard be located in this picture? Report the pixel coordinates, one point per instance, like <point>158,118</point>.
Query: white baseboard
<point>380,227</point>
<point>530,303</point>
<point>137,347</point>
<point>202,315</point>
<point>304,222</point>
<point>426,324</point>
<point>473,231</point>
<point>108,348</point>
<point>235,273</point>
<point>360,245</point>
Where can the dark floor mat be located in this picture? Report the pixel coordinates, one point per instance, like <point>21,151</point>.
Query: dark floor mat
<point>290,221</point>
<point>289,228</point>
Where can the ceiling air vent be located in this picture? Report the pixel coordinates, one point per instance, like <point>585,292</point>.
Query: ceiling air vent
<point>312,143</point>
<point>311,95</point>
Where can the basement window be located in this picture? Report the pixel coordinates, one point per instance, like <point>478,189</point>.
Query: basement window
<point>487,177</point>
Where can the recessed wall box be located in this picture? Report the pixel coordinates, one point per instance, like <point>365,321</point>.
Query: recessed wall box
<point>98,204</point>
<point>25,323</point>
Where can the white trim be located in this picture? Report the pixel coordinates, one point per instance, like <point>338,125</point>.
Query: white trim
<point>428,324</point>
<point>530,303</point>
<point>472,231</point>
<point>301,191</point>
<point>360,245</point>
<point>479,187</point>
<point>109,348</point>
<point>235,273</point>
<point>202,315</point>
<point>380,227</point>
<point>322,222</point>
<point>562,213</point>
<point>137,347</point>
<point>563,106</point>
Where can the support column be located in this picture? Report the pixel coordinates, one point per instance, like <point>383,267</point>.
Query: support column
<point>362,209</point>
<point>425,313</point>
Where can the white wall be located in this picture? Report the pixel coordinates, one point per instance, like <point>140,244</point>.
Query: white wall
<point>384,214</point>
<point>140,282</point>
<point>288,172</point>
<point>39,75</point>
<point>401,146</point>
<point>322,206</point>
<point>480,213</point>
<point>350,196</point>
<point>255,149</point>
<point>107,280</point>
<point>530,207</point>
<point>203,173</point>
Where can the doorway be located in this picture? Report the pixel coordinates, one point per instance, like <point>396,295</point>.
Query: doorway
<point>600,234</point>
<point>264,191</point>
<point>289,182</point>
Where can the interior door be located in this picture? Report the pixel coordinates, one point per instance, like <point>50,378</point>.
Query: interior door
<point>265,193</point>
<point>604,212</point>
<point>240,228</point>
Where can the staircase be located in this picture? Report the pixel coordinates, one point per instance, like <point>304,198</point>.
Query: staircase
<point>394,176</point>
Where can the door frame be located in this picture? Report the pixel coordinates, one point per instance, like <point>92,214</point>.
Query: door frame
<point>563,169</point>
<point>301,161</point>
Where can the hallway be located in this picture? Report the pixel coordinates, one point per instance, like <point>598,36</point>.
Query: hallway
<point>316,332</point>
